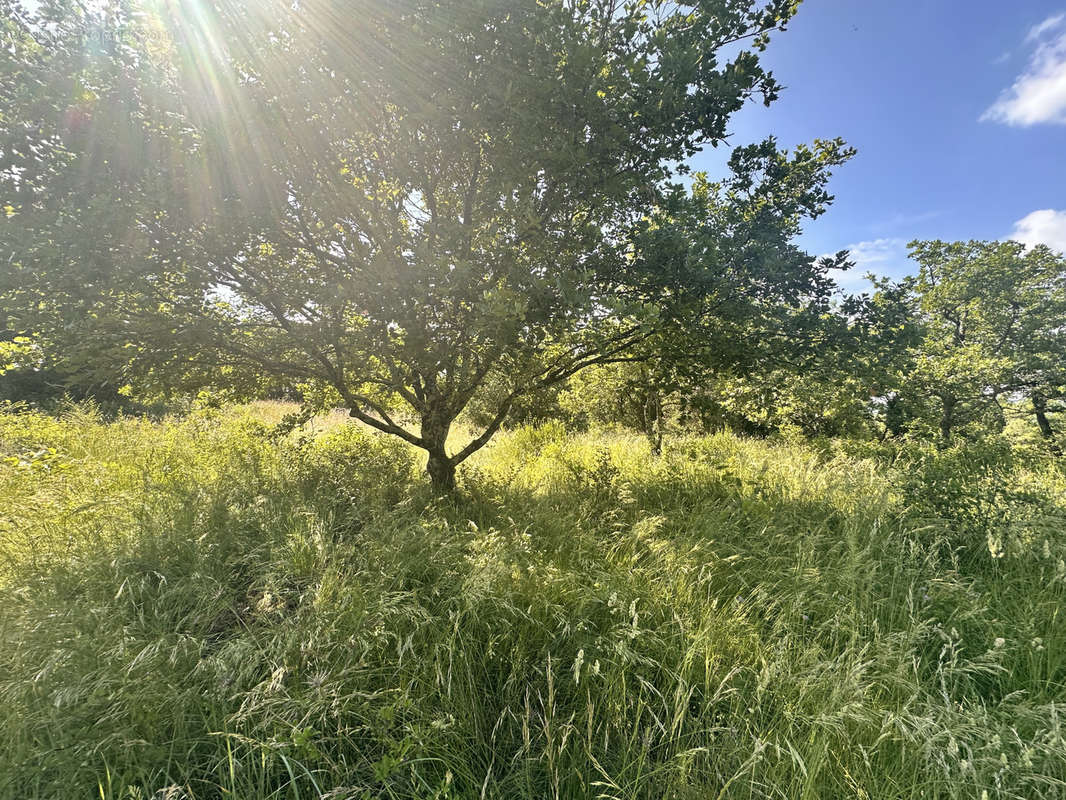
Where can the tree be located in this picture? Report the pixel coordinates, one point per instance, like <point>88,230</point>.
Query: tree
<point>992,317</point>
<point>75,151</point>
<point>743,297</point>
<point>404,201</point>
<point>887,332</point>
<point>629,394</point>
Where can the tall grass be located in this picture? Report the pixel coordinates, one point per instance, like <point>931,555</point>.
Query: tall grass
<point>195,608</point>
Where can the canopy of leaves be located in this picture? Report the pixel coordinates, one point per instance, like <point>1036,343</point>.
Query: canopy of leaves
<point>399,201</point>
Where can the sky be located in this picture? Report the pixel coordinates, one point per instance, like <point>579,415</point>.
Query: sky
<point>957,109</point>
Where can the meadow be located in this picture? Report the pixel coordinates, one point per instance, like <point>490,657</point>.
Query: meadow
<point>208,606</point>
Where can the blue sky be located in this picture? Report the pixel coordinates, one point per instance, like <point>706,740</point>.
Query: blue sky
<point>957,109</point>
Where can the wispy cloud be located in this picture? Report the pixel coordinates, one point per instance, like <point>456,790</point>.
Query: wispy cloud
<point>870,255</point>
<point>1046,226</point>
<point>1039,93</point>
<point>901,220</point>
<point>885,257</point>
<point>1051,23</point>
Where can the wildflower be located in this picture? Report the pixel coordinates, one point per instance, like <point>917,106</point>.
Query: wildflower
<point>577,665</point>
<point>1000,641</point>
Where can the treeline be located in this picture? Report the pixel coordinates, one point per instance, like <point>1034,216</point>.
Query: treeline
<point>973,341</point>
<point>429,212</point>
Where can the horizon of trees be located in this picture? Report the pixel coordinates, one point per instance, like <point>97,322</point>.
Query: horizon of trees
<point>427,212</point>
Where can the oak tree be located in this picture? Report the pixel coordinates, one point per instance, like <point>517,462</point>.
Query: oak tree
<point>401,201</point>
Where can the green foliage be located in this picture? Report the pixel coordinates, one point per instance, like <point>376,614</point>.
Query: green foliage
<point>198,608</point>
<point>618,394</point>
<point>951,355</point>
<point>27,376</point>
<point>996,499</point>
<point>816,403</point>
<point>534,408</point>
<point>991,314</point>
<point>349,468</point>
<point>400,201</point>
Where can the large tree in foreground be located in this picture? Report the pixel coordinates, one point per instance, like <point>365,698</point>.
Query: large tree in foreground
<point>403,201</point>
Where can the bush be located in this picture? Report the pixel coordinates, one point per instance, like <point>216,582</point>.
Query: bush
<point>995,499</point>
<point>350,468</point>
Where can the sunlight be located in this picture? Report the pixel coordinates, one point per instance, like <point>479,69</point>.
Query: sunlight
<point>447,399</point>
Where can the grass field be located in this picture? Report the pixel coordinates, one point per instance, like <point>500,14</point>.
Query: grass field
<point>197,608</point>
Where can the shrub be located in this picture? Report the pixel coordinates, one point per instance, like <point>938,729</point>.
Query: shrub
<point>349,468</point>
<point>995,499</point>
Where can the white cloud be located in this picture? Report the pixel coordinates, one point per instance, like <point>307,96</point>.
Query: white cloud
<point>1046,226</point>
<point>875,253</point>
<point>1050,24</point>
<point>1038,94</point>
<point>882,257</point>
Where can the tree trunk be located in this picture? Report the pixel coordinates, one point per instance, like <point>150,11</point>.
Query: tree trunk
<point>653,421</point>
<point>1040,411</point>
<point>947,420</point>
<point>441,472</point>
<point>895,424</point>
<point>439,466</point>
